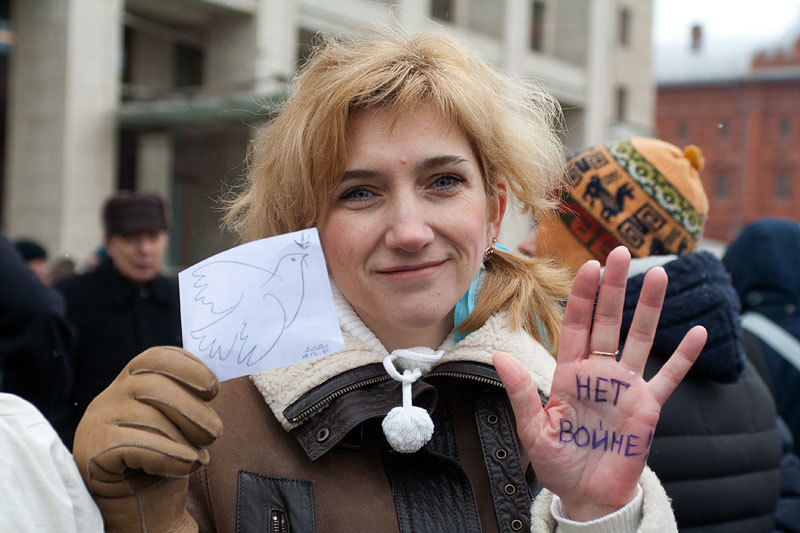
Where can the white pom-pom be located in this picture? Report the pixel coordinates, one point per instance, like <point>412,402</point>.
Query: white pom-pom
<point>407,429</point>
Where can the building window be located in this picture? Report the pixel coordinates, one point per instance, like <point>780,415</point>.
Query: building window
<point>722,187</point>
<point>724,128</point>
<point>537,26</point>
<point>442,9</point>
<point>683,130</point>
<point>783,186</point>
<point>621,103</point>
<point>187,67</point>
<point>785,126</point>
<point>624,26</point>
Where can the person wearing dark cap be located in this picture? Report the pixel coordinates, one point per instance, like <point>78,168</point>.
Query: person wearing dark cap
<point>125,305</point>
<point>35,256</point>
<point>716,448</point>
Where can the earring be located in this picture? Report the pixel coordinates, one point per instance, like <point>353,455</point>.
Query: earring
<point>489,252</point>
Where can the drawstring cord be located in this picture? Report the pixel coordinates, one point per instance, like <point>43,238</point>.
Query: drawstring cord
<point>409,428</point>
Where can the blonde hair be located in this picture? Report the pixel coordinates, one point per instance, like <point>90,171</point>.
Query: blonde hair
<point>296,160</point>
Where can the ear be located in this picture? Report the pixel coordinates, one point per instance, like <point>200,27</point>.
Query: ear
<point>497,209</point>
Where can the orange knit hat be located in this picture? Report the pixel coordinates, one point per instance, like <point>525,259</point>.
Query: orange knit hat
<point>642,193</point>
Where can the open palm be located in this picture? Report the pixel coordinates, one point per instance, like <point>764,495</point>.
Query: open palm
<point>589,444</point>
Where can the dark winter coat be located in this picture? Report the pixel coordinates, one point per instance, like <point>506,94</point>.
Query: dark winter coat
<point>34,338</point>
<point>716,448</point>
<point>763,264</point>
<point>114,320</point>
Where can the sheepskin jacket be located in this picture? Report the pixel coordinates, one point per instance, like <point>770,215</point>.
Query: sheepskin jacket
<point>303,448</point>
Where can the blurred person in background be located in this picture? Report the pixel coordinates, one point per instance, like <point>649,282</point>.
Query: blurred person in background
<point>125,305</point>
<point>99,255</point>
<point>35,256</point>
<point>716,448</point>
<point>62,268</point>
<point>763,263</point>
<point>34,338</point>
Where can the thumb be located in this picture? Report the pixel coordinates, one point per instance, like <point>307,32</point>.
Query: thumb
<point>519,384</point>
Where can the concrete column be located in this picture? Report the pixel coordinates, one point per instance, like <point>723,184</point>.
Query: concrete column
<point>414,14</point>
<point>275,42</point>
<point>154,164</point>
<point>516,21</point>
<point>64,90</point>
<point>598,75</point>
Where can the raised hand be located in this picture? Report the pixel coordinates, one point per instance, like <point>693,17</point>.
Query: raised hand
<point>142,437</point>
<point>589,444</point>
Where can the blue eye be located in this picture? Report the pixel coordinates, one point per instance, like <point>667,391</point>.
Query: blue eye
<point>356,194</point>
<point>447,182</point>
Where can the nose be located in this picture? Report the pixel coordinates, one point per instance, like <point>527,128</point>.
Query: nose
<point>408,225</point>
<point>145,245</point>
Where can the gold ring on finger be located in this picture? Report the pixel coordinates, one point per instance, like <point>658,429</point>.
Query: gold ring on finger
<point>613,354</point>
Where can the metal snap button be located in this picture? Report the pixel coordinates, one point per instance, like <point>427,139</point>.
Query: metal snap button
<point>516,525</point>
<point>323,434</point>
<point>510,489</point>
<point>501,454</point>
<point>492,419</point>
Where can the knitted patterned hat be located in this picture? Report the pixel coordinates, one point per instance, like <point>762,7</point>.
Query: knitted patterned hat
<point>642,193</point>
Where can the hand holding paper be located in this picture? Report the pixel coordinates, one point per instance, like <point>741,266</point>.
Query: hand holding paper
<point>259,306</point>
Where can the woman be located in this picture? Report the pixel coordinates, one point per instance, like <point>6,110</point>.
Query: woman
<point>401,150</point>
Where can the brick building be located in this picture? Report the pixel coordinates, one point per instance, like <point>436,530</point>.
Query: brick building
<point>742,107</point>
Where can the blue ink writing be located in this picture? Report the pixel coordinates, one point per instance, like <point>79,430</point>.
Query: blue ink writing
<point>585,390</point>
<point>620,443</point>
<point>315,351</point>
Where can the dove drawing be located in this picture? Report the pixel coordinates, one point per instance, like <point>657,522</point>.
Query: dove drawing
<point>224,287</point>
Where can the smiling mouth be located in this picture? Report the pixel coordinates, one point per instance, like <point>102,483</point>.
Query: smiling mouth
<point>411,270</point>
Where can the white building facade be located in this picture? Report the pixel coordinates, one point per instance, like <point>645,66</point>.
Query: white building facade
<point>164,95</point>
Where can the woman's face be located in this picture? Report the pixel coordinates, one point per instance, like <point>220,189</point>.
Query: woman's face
<point>408,224</point>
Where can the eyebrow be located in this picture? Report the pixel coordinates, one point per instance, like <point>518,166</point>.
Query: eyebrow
<point>439,161</point>
<point>426,164</point>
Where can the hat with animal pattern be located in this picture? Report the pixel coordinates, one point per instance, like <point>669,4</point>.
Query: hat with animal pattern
<point>645,194</point>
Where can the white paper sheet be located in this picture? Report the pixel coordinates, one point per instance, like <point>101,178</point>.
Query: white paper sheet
<point>258,306</point>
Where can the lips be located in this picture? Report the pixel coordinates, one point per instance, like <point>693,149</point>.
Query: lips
<point>416,271</point>
<point>417,267</point>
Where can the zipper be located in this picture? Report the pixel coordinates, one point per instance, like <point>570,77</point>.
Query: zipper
<point>278,522</point>
<point>330,397</point>
<point>464,375</point>
<point>371,381</point>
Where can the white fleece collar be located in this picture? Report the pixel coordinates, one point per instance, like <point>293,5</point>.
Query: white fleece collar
<point>283,386</point>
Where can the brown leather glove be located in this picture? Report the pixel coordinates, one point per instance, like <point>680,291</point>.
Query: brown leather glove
<point>142,437</point>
